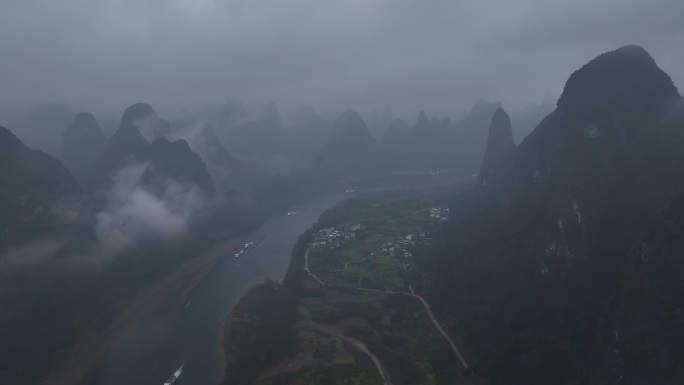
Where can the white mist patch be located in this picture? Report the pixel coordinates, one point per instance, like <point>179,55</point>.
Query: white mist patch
<point>132,213</point>
<point>147,125</point>
<point>31,254</point>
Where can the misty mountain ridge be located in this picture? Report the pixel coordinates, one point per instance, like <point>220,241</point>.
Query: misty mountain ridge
<point>434,144</point>
<point>529,116</point>
<point>378,123</point>
<point>176,161</point>
<point>500,150</point>
<point>424,127</point>
<point>40,126</point>
<point>543,250</point>
<point>623,82</point>
<point>165,159</point>
<point>126,143</point>
<point>397,133</point>
<point>83,141</point>
<point>227,172</point>
<point>307,131</point>
<point>257,133</point>
<point>32,187</point>
<point>215,152</point>
<point>352,148</point>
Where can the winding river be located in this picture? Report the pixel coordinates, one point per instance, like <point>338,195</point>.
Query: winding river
<point>146,356</point>
<point>195,340</point>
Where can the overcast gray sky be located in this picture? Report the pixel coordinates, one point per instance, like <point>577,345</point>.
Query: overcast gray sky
<point>405,54</point>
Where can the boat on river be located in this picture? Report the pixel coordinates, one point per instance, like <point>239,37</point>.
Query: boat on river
<point>174,377</point>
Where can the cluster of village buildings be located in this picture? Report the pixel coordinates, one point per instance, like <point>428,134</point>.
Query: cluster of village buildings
<point>399,247</point>
<point>441,213</point>
<point>330,237</point>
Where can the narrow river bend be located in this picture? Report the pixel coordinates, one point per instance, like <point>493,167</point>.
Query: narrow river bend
<point>142,357</point>
<point>138,359</point>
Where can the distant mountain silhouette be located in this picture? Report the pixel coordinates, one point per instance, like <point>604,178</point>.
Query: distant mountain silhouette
<point>536,262</point>
<point>471,133</point>
<point>232,113</point>
<point>352,148</point>
<point>212,150</point>
<point>527,118</point>
<point>40,126</point>
<point>307,132</point>
<point>479,116</point>
<point>379,122</point>
<point>127,146</point>
<point>250,135</point>
<point>435,144</point>
<point>175,161</point>
<point>500,150</point>
<point>32,186</point>
<point>423,127</point>
<point>83,143</point>
<point>397,134</point>
<point>228,173</point>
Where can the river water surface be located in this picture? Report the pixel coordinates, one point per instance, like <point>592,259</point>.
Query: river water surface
<point>195,340</point>
<point>140,358</point>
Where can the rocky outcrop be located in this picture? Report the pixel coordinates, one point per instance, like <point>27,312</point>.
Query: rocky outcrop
<point>165,159</point>
<point>352,148</point>
<point>625,82</point>
<point>32,187</point>
<point>537,257</point>
<point>500,150</point>
<point>125,146</point>
<point>174,161</point>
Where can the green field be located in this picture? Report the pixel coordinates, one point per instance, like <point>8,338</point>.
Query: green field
<point>365,297</point>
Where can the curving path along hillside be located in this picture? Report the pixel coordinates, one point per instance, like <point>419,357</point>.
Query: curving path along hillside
<point>432,317</point>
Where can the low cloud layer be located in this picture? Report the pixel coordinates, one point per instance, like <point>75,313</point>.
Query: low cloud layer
<point>31,254</point>
<point>439,55</point>
<point>131,215</point>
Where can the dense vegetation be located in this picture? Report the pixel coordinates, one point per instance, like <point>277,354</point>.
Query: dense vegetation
<point>318,325</point>
<point>544,272</point>
<point>261,331</point>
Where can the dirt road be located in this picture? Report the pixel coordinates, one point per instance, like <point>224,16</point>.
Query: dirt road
<point>352,341</point>
<point>439,327</point>
<point>432,317</point>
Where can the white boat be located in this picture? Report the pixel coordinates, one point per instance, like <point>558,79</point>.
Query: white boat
<point>187,304</point>
<point>174,377</point>
<point>237,255</point>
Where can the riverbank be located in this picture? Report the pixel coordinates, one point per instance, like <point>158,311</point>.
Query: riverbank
<point>347,312</point>
<point>91,352</point>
